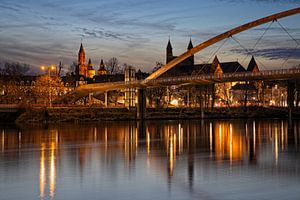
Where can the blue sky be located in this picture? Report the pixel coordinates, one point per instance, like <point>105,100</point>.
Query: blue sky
<point>43,32</point>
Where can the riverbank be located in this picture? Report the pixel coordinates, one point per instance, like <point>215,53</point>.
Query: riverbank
<point>89,114</point>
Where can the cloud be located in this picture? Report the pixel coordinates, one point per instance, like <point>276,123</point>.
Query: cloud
<point>98,33</point>
<point>101,33</point>
<point>272,53</point>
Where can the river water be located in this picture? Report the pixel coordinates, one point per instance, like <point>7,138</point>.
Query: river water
<point>218,159</point>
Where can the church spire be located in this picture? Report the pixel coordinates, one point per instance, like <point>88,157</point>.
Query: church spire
<point>190,46</point>
<point>81,55</point>
<point>253,67</point>
<point>169,46</point>
<point>215,64</point>
<point>169,50</point>
<point>81,48</point>
<point>102,70</point>
<point>101,64</point>
<point>90,65</point>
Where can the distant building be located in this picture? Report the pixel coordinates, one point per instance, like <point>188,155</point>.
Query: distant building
<point>224,92</point>
<point>88,71</point>
<point>130,93</point>
<point>188,66</point>
<point>169,55</point>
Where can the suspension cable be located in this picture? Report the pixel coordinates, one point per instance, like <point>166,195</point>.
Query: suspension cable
<point>218,49</point>
<point>245,49</point>
<point>259,39</point>
<point>212,55</point>
<point>285,30</point>
<point>290,35</point>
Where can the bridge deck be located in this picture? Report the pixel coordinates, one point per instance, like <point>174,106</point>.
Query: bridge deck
<point>202,79</point>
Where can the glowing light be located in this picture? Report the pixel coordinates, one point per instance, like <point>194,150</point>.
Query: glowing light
<point>174,102</point>
<point>43,68</point>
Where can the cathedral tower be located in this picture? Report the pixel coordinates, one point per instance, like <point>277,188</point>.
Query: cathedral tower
<point>169,52</point>
<point>190,59</point>
<point>81,61</point>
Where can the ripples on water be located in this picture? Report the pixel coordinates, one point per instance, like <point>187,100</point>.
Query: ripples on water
<point>151,160</point>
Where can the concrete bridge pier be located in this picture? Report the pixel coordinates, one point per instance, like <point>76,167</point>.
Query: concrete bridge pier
<point>90,100</point>
<point>291,90</point>
<point>141,104</point>
<point>105,99</point>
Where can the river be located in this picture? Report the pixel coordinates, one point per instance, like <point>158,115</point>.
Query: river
<point>215,159</point>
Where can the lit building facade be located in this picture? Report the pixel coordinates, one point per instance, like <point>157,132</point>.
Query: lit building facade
<point>87,70</point>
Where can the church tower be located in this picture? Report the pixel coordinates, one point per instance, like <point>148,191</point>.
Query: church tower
<point>81,62</point>
<point>102,70</point>
<point>91,72</point>
<point>169,52</point>
<point>191,59</point>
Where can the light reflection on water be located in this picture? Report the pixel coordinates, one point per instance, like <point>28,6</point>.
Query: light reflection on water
<point>152,160</point>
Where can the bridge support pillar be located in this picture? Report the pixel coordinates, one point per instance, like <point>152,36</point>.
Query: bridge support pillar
<point>141,105</point>
<point>291,88</point>
<point>105,99</point>
<point>90,101</point>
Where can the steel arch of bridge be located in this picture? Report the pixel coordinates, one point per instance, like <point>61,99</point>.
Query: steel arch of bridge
<point>219,38</point>
<point>152,81</point>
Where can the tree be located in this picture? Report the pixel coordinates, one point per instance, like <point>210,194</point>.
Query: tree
<point>222,92</point>
<point>113,65</point>
<point>158,66</point>
<point>13,88</point>
<point>48,88</point>
<point>156,96</point>
<point>15,69</point>
<point>72,67</point>
<point>60,66</point>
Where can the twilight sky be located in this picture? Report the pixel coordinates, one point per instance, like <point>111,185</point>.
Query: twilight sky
<point>44,32</point>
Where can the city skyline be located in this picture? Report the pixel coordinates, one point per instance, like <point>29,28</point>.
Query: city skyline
<point>136,32</point>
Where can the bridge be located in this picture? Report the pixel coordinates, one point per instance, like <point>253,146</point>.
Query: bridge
<point>154,79</point>
<point>281,74</point>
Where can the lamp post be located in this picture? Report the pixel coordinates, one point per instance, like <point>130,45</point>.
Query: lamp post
<point>49,69</point>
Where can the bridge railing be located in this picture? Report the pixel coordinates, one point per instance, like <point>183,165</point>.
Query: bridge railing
<point>242,76</point>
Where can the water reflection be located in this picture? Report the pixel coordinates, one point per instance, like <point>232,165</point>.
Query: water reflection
<point>47,168</point>
<point>168,148</point>
<point>42,172</point>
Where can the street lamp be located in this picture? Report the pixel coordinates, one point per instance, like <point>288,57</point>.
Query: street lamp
<point>49,69</point>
